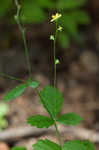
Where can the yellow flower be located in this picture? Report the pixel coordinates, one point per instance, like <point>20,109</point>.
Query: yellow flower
<point>60,28</point>
<point>55,17</point>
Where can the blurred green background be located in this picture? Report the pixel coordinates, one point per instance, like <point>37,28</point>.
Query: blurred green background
<point>37,12</point>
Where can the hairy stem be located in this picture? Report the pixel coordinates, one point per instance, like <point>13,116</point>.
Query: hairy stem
<point>23,36</point>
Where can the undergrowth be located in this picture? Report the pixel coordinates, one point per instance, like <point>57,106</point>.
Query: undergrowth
<point>50,97</point>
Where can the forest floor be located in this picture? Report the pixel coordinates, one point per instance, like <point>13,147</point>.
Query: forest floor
<point>77,79</point>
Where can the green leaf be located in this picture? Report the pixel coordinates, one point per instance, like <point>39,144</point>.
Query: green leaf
<point>74,145</point>
<point>18,148</point>
<point>40,121</point>
<point>52,100</point>
<point>15,92</point>
<point>3,109</point>
<point>46,145</point>
<point>70,4</point>
<point>33,84</point>
<point>89,145</point>
<point>4,7</point>
<point>31,12</point>
<point>69,119</point>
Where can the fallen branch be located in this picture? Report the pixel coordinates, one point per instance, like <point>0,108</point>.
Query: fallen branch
<point>14,134</point>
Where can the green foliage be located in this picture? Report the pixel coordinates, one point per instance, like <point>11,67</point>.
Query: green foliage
<point>78,145</point>
<point>69,119</point>
<point>64,39</point>
<point>48,4</point>
<point>3,112</point>
<point>32,13</point>
<point>4,7</point>
<point>70,4</point>
<point>74,145</point>
<point>52,100</point>
<point>46,145</point>
<point>89,145</point>
<point>18,148</point>
<point>40,121</point>
<point>15,92</point>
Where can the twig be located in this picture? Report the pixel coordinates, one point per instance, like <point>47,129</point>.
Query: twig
<point>14,134</point>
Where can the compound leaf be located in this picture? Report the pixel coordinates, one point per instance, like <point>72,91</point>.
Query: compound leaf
<point>52,100</point>
<point>18,148</point>
<point>46,145</point>
<point>74,145</point>
<point>40,121</point>
<point>15,92</point>
<point>69,119</point>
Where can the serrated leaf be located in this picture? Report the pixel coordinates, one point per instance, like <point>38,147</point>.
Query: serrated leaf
<point>70,4</point>
<point>15,92</point>
<point>89,145</point>
<point>74,145</point>
<point>69,119</point>
<point>40,121</point>
<point>4,7</point>
<point>46,145</point>
<point>31,12</point>
<point>52,100</point>
<point>18,148</point>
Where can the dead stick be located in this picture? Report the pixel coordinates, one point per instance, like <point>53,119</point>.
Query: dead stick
<point>14,134</point>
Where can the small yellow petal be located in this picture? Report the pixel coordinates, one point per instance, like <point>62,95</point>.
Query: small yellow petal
<point>55,17</point>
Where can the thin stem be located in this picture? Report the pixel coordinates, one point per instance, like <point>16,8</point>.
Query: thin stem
<point>11,77</point>
<point>23,36</point>
<point>58,134</point>
<point>54,48</point>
